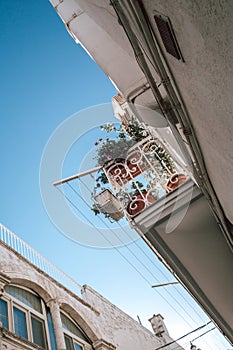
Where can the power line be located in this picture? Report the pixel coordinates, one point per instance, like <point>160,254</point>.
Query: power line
<point>96,228</point>
<point>201,335</point>
<point>152,261</point>
<point>135,256</point>
<point>117,249</point>
<point>160,270</point>
<point>151,273</point>
<point>183,336</point>
<point>104,222</point>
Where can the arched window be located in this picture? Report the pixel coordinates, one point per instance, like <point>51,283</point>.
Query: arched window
<point>24,313</point>
<point>75,337</point>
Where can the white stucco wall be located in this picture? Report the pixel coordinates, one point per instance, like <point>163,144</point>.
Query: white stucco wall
<point>204,32</point>
<point>124,331</point>
<point>107,326</point>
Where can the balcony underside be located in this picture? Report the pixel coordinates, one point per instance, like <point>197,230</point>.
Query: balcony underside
<point>195,250</point>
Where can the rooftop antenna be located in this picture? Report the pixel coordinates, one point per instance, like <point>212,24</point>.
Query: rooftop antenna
<point>139,320</point>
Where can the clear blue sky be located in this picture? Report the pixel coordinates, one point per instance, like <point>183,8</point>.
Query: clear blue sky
<point>46,78</point>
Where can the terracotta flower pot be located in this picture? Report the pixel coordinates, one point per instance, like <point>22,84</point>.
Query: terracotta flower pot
<point>139,203</point>
<point>175,181</point>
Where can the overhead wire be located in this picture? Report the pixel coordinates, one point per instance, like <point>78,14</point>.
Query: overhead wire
<point>135,243</point>
<point>126,246</point>
<point>162,273</point>
<point>199,336</point>
<point>138,246</point>
<point>174,287</point>
<point>183,336</point>
<point>209,330</point>
<point>119,251</point>
<point>97,229</point>
<point>136,257</point>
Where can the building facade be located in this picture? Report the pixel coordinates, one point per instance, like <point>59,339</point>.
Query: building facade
<point>38,312</point>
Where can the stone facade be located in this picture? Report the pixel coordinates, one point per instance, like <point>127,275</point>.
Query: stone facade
<point>106,326</point>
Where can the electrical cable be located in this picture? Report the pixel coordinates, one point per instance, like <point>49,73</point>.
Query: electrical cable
<point>183,336</point>
<point>201,335</point>
<point>173,287</point>
<point>122,228</point>
<point>117,249</point>
<point>96,228</point>
<point>160,270</point>
<point>135,256</point>
<point>135,243</point>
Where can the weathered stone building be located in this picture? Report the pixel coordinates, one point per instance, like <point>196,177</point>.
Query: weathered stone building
<point>38,312</point>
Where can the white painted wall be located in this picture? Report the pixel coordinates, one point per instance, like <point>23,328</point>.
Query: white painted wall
<point>105,324</point>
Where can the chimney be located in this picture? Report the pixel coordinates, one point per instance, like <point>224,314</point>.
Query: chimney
<point>158,325</point>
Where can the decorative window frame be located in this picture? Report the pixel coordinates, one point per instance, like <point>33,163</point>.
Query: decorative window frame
<point>29,312</point>
<point>75,339</point>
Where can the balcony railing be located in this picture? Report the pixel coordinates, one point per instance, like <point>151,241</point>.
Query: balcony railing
<point>147,174</point>
<point>35,258</point>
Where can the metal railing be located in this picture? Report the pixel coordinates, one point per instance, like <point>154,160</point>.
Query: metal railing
<point>35,258</point>
<point>146,174</point>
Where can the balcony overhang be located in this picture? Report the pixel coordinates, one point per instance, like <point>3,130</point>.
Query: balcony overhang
<point>183,231</point>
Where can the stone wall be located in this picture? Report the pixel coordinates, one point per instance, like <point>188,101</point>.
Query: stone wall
<point>106,326</point>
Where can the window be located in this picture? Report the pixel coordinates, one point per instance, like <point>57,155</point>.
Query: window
<point>38,332</point>
<point>71,344</point>
<point>20,325</point>
<point>75,338</point>
<point>68,342</point>
<point>3,314</point>
<point>26,297</point>
<point>77,347</point>
<point>24,313</point>
<point>70,326</point>
<point>51,330</point>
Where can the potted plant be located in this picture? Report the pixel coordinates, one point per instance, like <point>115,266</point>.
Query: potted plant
<point>112,154</point>
<point>119,157</point>
<point>107,204</point>
<point>129,154</point>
